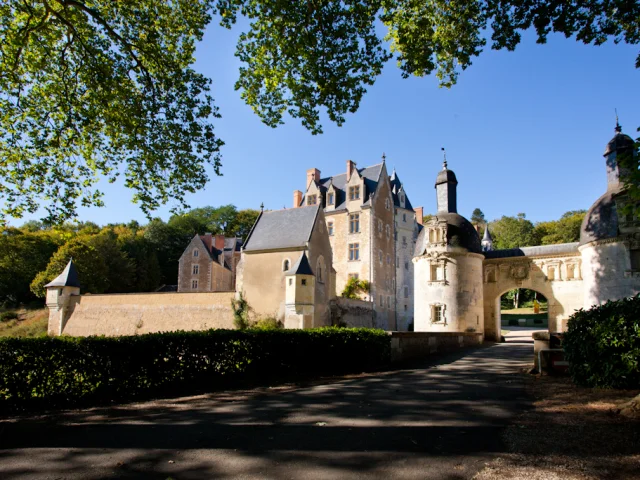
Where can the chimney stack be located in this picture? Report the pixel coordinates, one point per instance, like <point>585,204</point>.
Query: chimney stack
<point>219,242</point>
<point>350,167</point>
<point>297,198</point>
<point>419,215</point>
<point>313,175</point>
<point>207,240</point>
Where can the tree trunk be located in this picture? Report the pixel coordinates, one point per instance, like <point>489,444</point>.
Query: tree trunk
<point>516,299</point>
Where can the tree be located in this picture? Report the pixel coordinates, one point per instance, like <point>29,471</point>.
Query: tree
<point>565,230</point>
<point>99,88</point>
<point>513,232</point>
<point>477,217</point>
<point>90,88</point>
<point>244,223</point>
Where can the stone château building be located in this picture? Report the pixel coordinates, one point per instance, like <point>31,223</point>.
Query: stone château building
<point>372,228</point>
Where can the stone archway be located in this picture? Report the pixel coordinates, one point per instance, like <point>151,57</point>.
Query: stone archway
<point>548,275</point>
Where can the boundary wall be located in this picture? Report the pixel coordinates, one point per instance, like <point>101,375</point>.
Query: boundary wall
<point>406,346</point>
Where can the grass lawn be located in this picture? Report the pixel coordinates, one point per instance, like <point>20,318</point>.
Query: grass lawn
<point>30,323</point>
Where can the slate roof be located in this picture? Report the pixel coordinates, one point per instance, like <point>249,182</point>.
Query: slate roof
<point>371,177</point>
<point>460,233</point>
<point>396,186</point>
<point>542,250</point>
<point>601,220</point>
<point>282,229</point>
<point>301,267</point>
<point>68,277</point>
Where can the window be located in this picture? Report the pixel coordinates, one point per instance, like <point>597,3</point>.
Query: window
<point>303,282</point>
<point>388,259</point>
<point>393,283</point>
<point>635,259</point>
<point>388,302</point>
<point>437,313</point>
<point>406,265</point>
<point>286,265</point>
<point>404,241</point>
<point>387,204</point>
<point>381,301</point>
<point>312,199</point>
<point>291,281</point>
<point>380,226</point>
<point>194,284</point>
<point>354,251</point>
<point>406,291</point>
<point>330,228</point>
<point>405,308</point>
<point>195,269</point>
<point>437,273</point>
<point>380,256</point>
<point>354,192</point>
<point>196,253</point>
<point>320,268</point>
<point>331,199</point>
<point>551,273</point>
<point>354,222</point>
<point>319,273</point>
<point>388,229</point>
<point>404,217</point>
<point>570,272</point>
<point>353,275</point>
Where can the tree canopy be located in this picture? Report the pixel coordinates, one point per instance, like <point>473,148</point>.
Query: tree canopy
<point>94,89</point>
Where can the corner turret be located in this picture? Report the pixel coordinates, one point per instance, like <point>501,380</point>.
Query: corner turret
<point>59,293</point>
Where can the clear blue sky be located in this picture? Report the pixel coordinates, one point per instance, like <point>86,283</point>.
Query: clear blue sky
<point>524,131</point>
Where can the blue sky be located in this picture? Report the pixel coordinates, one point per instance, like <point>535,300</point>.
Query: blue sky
<point>524,132</point>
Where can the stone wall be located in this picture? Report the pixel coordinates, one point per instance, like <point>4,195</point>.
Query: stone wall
<point>137,313</point>
<point>407,346</point>
<point>353,313</point>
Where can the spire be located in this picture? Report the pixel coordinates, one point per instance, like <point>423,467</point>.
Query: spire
<point>446,185</point>
<point>68,277</point>
<point>487,241</point>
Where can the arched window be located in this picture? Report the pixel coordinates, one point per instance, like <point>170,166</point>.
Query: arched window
<point>286,265</point>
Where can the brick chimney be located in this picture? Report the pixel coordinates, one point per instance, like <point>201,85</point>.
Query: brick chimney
<point>419,214</point>
<point>297,198</point>
<point>313,175</point>
<point>219,242</point>
<point>350,168</point>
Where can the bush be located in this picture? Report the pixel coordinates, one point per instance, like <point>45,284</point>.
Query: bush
<point>6,316</point>
<point>602,345</point>
<point>355,287</point>
<point>268,323</point>
<point>66,371</point>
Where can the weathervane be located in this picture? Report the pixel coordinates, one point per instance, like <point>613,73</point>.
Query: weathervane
<point>618,127</point>
<point>384,157</point>
<point>444,163</point>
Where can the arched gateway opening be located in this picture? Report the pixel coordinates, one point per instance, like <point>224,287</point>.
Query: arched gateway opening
<point>522,312</point>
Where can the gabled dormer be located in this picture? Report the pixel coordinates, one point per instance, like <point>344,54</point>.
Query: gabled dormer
<point>331,198</point>
<point>313,196</point>
<point>354,189</point>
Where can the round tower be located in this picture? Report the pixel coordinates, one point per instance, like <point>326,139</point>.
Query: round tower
<point>448,267</point>
<point>610,234</point>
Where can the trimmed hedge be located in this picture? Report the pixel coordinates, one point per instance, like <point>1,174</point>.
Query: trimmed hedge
<point>67,371</point>
<point>602,345</point>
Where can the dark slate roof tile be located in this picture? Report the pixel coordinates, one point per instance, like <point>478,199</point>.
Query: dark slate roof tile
<point>282,229</point>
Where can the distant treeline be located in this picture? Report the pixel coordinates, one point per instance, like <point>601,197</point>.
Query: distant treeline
<point>116,258</point>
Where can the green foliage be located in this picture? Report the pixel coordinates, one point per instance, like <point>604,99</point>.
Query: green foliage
<point>268,323</point>
<point>355,287</point>
<point>602,345</point>
<point>241,310</point>
<point>565,230</point>
<point>6,316</point>
<point>66,371</point>
<point>477,217</point>
<point>102,88</point>
<point>103,267</point>
<point>513,232</point>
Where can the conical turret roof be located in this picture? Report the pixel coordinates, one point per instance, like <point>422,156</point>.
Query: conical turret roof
<point>301,267</point>
<point>487,235</point>
<point>68,277</point>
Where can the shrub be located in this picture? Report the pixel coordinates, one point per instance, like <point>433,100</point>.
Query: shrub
<point>241,310</point>
<point>602,345</point>
<point>354,288</point>
<point>268,323</point>
<point>65,371</point>
<point>6,316</point>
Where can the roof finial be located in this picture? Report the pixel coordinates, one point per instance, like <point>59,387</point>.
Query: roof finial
<point>444,163</point>
<point>384,157</point>
<point>262,207</point>
<point>618,127</point>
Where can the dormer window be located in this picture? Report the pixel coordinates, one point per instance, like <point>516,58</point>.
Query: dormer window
<point>354,193</point>
<point>331,199</point>
<point>196,252</point>
<point>312,199</point>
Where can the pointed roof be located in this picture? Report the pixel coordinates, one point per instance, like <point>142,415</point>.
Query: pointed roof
<point>301,267</point>
<point>397,187</point>
<point>68,277</point>
<point>487,235</point>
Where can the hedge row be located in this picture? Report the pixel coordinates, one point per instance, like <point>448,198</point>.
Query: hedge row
<point>66,371</point>
<point>602,345</point>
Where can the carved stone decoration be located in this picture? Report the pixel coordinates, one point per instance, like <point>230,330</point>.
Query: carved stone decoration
<point>519,271</point>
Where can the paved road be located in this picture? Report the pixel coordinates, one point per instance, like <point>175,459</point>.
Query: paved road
<point>442,420</point>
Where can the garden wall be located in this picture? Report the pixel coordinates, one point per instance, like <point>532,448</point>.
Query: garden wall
<point>137,313</point>
<point>352,313</point>
<point>407,346</point>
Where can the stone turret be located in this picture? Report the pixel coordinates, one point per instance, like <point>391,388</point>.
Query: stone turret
<point>446,186</point>
<point>487,241</point>
<point>300,294</point>
<point>59,293</point>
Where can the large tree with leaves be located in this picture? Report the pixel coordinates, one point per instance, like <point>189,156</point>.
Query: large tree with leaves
<point>103,87</point>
